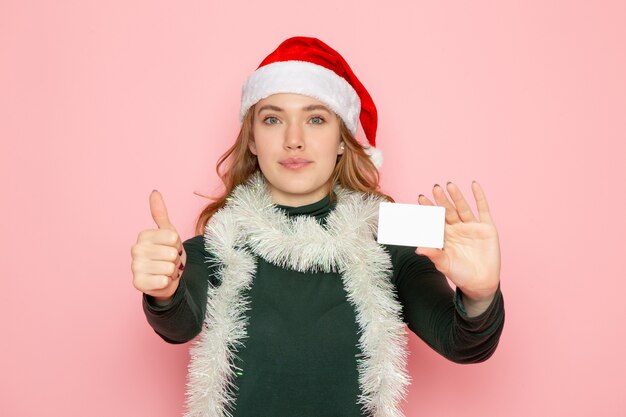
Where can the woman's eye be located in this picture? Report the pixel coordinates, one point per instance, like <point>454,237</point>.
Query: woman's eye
<point>270,120</point>
<point>317,120</point>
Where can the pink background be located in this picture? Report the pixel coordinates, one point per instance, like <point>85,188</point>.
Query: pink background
<point>103,101</point>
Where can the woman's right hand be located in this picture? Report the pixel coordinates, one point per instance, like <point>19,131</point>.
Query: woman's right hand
<point>158,257</point>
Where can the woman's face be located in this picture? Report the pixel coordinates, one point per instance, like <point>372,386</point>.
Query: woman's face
<point>296,141</point>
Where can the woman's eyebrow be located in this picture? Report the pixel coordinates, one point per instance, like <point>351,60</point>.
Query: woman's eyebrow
<point>269,107</point>
<point>313,107</point>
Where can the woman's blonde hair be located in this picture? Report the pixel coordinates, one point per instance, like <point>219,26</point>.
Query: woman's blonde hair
<point>354,169</point>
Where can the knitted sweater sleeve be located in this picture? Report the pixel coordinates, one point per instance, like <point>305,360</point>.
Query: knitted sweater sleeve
<point>181,319</point>
<point>435,312</point>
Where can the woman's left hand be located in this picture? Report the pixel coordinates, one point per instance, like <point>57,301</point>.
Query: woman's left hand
<point>470,257</point>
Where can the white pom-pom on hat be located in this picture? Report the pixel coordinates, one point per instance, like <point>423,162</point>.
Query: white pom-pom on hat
<point>375,155</point>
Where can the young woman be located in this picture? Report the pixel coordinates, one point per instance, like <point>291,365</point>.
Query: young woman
<point>299,310</point>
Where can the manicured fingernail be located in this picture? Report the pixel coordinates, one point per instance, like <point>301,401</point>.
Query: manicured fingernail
<point>155,190</point>
<point>437,185</point>
<point>181,266</point>
<point>449,182</point>
<point>180,253</point>
<point>421,195</point>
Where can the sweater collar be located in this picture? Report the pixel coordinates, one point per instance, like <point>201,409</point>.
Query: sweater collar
<point>320,209</point>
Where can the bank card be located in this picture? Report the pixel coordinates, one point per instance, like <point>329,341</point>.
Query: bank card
<point>411,225</point>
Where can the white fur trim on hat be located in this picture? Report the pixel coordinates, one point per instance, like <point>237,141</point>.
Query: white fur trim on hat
<point>306,78</point>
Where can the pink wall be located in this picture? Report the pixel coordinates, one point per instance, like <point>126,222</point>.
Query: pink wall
<point>103,101</point>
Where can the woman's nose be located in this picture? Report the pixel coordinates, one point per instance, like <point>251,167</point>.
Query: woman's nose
<point>294,136</point>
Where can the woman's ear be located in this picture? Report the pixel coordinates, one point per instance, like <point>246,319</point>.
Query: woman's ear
<point>342,148</point>
<point>252,147</point>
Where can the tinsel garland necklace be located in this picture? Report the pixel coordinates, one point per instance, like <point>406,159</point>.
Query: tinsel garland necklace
<point>250,226</point>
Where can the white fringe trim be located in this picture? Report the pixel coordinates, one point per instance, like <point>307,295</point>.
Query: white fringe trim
<point>347,245</point>
<point>210,383</point>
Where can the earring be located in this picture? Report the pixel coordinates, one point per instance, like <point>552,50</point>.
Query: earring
<point>342,147</point>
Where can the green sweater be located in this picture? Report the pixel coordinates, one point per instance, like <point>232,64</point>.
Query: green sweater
<point>300,353</point>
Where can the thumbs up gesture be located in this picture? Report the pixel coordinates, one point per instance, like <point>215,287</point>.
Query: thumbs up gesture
<point>158,257</point>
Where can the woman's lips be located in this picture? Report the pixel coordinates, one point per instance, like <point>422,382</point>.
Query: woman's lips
<point>295,163</point>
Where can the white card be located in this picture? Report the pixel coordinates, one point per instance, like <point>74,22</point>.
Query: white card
<point>411,225</point>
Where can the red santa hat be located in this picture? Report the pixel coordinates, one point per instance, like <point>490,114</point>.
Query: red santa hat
<point>308,66</point>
